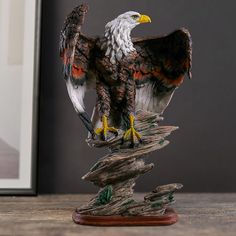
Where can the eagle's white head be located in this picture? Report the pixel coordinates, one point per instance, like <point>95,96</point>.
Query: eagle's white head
<point>117,41</point>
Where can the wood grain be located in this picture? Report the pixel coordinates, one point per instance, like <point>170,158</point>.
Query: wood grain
<point>117,172</point>
<point>199,214</point>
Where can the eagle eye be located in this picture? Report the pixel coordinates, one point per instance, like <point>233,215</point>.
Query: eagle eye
<point>135,17</point>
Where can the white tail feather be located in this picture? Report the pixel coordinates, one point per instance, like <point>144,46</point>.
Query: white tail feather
<point>76,95</point>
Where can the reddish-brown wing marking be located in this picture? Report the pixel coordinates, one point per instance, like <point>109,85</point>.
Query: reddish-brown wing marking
<point>76,59</point>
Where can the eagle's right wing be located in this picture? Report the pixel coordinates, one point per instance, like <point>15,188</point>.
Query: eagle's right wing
<point>160,68</point>
<point>76,52</point>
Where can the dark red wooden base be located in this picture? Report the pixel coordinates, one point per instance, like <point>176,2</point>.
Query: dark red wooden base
<point>169,218</point>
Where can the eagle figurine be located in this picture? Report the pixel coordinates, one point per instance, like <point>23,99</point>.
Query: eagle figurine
<point>128,74</point>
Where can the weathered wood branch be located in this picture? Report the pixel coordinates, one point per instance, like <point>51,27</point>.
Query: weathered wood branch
<point>116,173</point>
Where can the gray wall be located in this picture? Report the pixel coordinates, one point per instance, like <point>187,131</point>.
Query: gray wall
<point>202,152</point>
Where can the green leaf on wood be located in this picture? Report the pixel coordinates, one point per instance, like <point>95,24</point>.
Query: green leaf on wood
<point>157,204</point>
<point>171,197</point>
<point>128,202</point>
<point>105,195</point>
<point>161,141</point>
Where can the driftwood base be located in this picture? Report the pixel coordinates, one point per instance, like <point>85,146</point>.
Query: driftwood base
<point>168,218</point>
<point>116,174</point>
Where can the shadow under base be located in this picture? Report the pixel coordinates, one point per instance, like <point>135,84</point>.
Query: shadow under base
<point>116,174</point>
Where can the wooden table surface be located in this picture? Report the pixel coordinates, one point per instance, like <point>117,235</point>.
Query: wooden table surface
<point>199,214</point>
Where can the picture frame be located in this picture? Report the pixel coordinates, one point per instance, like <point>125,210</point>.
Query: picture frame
<point>19,141</point>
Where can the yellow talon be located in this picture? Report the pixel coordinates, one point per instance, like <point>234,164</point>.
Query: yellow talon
<point>98,131</point>
<point>131,132</point>
<point>127,134</point>
<point>105,129</point>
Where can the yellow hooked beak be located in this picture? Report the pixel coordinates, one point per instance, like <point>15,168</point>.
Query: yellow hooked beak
<point>144,19</point>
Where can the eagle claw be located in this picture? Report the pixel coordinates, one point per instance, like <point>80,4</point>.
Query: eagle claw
<point>103,132</point>
<point>132,134</point>
<point>105,129</point>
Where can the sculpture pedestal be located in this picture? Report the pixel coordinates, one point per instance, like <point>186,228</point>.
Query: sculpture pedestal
<point>116,174</point>
<point>168,218</point>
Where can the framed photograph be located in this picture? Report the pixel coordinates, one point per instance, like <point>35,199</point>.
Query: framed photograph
<point>19,69</point>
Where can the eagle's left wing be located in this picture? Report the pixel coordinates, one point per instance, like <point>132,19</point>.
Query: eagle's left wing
<point>160,69</point>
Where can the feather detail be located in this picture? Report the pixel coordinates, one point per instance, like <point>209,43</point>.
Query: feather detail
<point>77,72</point>
<point>117,40</point>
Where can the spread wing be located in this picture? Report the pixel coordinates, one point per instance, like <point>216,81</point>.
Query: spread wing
<point>76,53</point>
<point>160,68</point>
